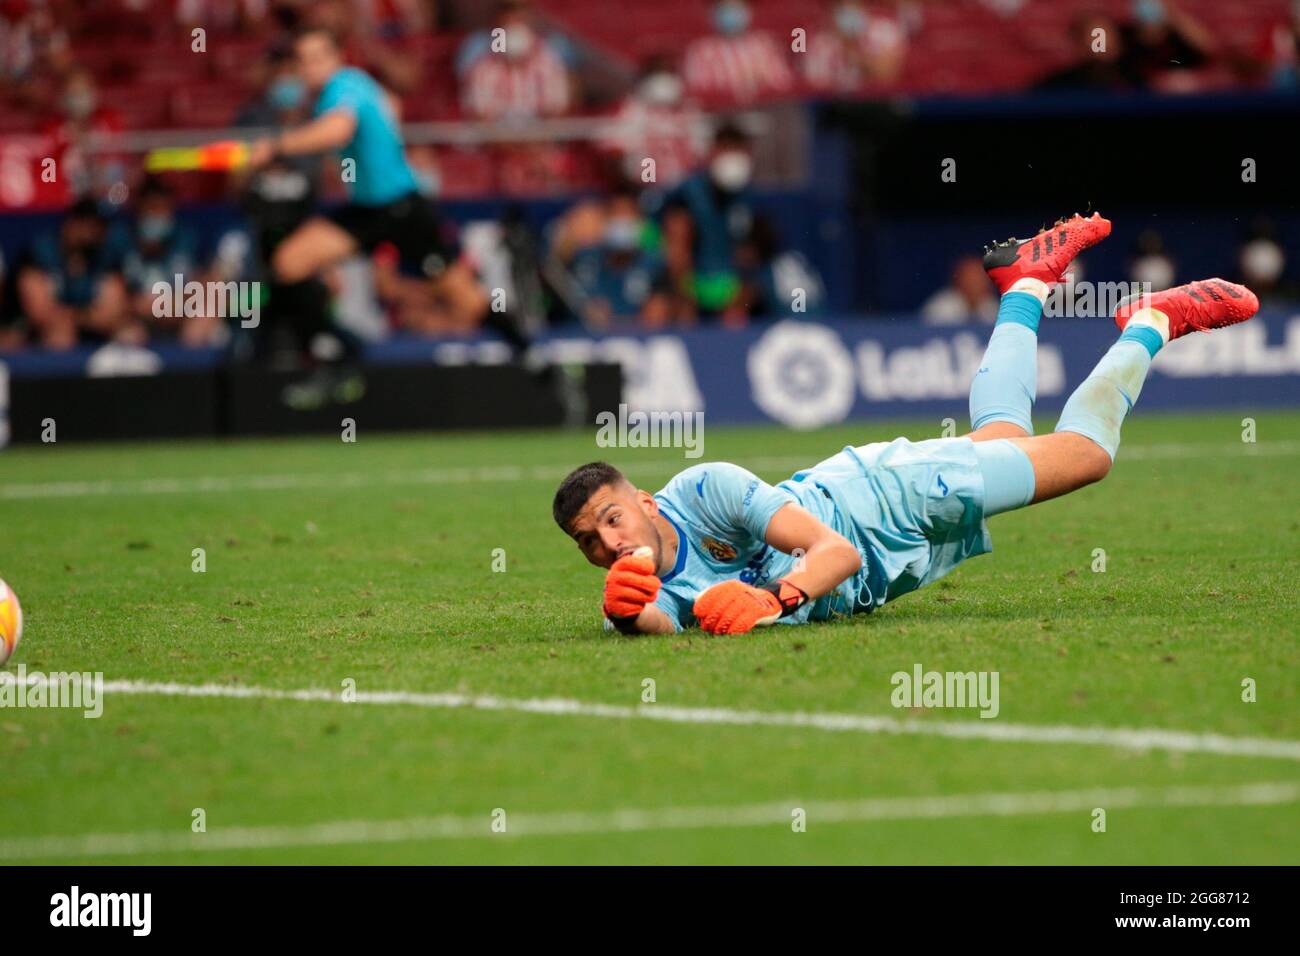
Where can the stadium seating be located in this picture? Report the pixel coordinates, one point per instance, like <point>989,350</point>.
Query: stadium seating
<point>961,46</point>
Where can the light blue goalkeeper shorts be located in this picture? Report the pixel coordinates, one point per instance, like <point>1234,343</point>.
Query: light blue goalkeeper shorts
<point>920,507</point>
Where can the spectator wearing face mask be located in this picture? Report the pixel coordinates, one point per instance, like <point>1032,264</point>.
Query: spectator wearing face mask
<point>1163,40</point>
<point>622,277</point>
<point>514,70</point>
<point>1152,48</point>
<point>70,289</point>
<point>656,120</point>
<point>862,47</point>
<point>736,64</point>
<point>80,117</point>
<point>716,200</point>
<point>159,250</point>
<point>278,196</point>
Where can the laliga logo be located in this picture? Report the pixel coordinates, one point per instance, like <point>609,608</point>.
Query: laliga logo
<point>802,375</point>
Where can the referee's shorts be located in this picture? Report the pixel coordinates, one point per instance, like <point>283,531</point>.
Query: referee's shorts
<point>411,224</point>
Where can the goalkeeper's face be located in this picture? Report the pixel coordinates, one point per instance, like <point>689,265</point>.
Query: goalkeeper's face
<point>616,520</point>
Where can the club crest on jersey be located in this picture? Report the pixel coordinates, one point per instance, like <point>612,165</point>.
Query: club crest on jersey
<point>720,550</point>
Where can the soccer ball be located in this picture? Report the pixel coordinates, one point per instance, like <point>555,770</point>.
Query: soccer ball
<point>11,621</point>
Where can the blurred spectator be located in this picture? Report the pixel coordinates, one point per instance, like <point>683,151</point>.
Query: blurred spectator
<point>1159,40</point>
<point>968,297</point>
<point>1164,39</point>
<point>1100,65</point>
<point>12,333</point>
<point>80,117</point>
<point>736,65</point>
<point>70,288</point>
<point>1279,51</point>
<point>677,240</point>
<point>716,201</point>
<point>622,276</point>
<point>223,16</point>
<point>158,250</point>
<point>861,46</point>
<point>34,49</point>
<point>391,19</point>
<point>356,25</point>
<point>1152,267</point>
<point>657,121</point>
<point>579,228</point>
<point>514,71</point>
<point>775,282</point>
<point>277,197</point>
<point>16,53</point>
<point>455,305</point>
<point>1262,265</point>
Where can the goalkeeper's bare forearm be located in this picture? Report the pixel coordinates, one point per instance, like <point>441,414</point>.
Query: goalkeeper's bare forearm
<point>827,558</point>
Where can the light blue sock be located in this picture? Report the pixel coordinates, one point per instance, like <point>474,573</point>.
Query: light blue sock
<point>1097,408</point>
<point>1007,381</point>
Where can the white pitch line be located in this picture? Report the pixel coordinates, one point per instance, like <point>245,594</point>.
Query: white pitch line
<point>327,480</point>
<point>817,813</point>
<point>213,484</point>
<point>1128,738</point>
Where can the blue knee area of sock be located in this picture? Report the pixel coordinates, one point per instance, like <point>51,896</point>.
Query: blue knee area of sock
<point>1145,336</point>
<point>1020,308</point>
<point>1008,476</point>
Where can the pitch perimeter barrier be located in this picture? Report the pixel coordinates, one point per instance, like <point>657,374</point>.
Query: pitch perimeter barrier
<point>797,373</point>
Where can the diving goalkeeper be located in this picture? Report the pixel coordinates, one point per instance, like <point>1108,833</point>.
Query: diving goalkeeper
<point>720,548</point>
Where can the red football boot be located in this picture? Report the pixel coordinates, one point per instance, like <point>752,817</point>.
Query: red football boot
<point>1195,307</point>
<point>1047,255</point>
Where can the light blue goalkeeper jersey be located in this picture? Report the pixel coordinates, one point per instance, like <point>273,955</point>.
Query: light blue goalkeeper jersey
<point>721,512</point>
<point>914,511</point>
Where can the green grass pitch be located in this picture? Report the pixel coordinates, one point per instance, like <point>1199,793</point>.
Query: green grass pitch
<point>373,562</point>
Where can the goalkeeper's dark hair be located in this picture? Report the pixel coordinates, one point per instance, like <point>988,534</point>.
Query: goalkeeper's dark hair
<point>578,487</point>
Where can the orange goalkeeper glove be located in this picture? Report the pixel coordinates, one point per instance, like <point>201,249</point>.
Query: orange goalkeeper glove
<point>734,607</point>
<point>630,585</point>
